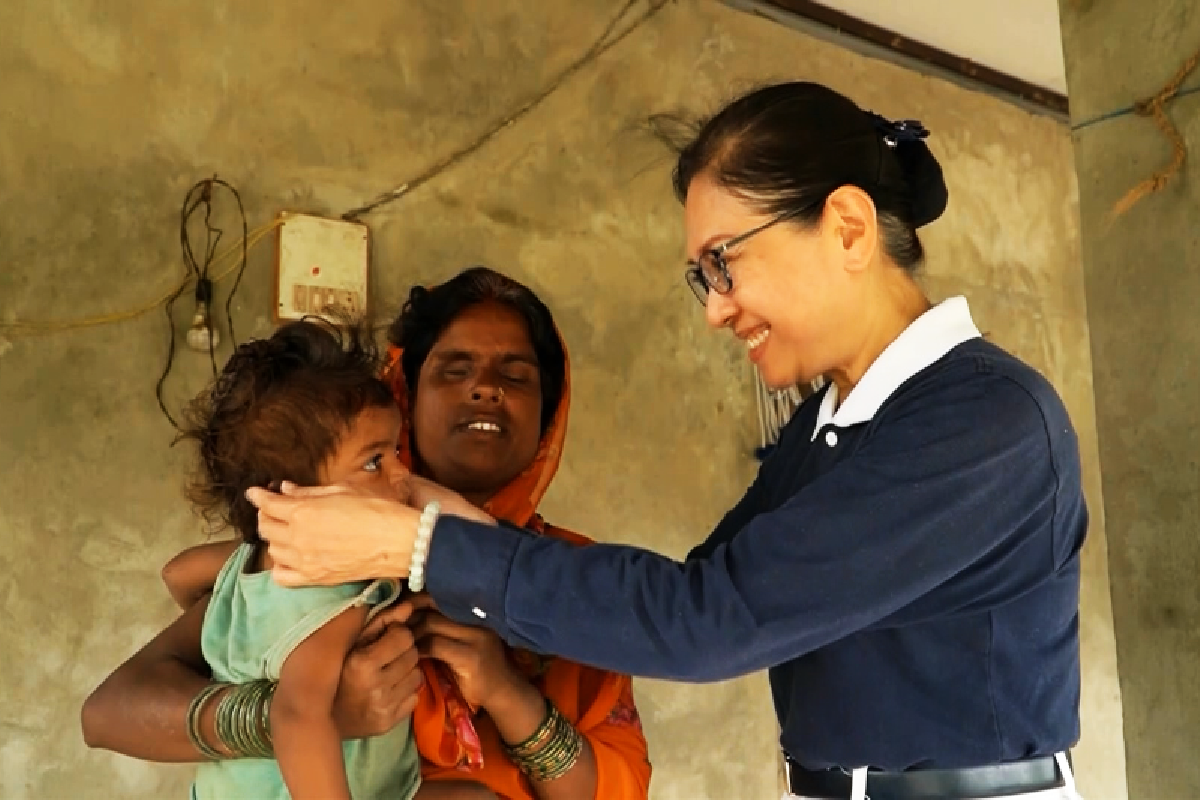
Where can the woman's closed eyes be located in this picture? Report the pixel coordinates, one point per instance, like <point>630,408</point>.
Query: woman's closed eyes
<point>512,374</point>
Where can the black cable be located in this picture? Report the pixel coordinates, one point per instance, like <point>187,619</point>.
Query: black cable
<point>237,280</point>
<point>191,201</point>
<point>201,196</point>
<point>606,41</point>
<point>203,283</point>
<point>158,389</point>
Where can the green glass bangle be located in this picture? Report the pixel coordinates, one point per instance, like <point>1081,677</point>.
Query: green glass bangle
<point>195,710</point>
<point>243,718</point>
<point>552,751</point>
<point>249,714</point>
<point>537,739</point>
<point>255,708</point>
<point>264,720</point>
<point>557,757</point>
<point>563,764</point>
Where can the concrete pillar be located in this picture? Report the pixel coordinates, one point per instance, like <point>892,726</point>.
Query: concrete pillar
<point>1143,294</point>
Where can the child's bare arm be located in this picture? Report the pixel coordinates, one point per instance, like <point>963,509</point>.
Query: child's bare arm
<point>192,574</point>
<point>307,745</point>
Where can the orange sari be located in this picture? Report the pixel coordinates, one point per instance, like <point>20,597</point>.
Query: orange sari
<point>456,745</point>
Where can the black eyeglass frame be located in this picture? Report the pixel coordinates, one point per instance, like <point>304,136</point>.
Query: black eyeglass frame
<point>720,281</point>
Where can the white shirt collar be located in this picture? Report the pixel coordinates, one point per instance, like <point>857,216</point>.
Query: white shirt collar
<point>930,336</point>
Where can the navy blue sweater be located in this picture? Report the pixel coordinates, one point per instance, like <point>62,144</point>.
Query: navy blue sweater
<point>911,583</point>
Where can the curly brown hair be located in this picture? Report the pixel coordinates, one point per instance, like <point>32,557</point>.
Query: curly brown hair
<point>277,412</point>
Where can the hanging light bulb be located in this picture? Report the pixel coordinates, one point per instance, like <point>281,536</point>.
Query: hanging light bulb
<point>202,336</point>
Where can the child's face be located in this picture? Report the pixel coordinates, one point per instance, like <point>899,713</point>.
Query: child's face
<point>367,452</point>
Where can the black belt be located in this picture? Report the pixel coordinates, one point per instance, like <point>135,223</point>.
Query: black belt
<point>1015,777</point>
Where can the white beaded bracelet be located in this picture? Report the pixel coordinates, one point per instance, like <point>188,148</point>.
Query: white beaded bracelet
<point>416,569</point>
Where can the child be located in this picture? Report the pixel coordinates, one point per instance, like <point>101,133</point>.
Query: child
<point>305,405</point>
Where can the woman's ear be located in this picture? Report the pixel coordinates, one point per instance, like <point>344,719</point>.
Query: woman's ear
<point>851,222</point>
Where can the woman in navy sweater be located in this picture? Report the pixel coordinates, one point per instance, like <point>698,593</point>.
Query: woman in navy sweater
<point>905,565</point>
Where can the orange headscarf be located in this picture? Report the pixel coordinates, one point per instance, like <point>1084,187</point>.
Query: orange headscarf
<point>457,745</point>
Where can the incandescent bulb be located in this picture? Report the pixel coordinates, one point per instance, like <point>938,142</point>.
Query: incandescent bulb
<point>200,337</point>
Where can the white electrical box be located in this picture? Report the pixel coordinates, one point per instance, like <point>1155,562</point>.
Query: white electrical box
<point>321,266</point>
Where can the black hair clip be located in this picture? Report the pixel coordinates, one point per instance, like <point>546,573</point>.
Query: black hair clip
<point>902,130</point>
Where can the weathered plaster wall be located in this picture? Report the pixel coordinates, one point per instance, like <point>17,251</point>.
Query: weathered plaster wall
<point>1142,286</point>
<point>111,110</point>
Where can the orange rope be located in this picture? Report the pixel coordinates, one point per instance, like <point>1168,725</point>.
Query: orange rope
<point>1155,108</point>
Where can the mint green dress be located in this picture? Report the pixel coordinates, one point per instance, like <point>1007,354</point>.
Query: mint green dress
<point>252,625</point>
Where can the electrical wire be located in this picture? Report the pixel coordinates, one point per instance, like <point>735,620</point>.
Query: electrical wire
<point>609,38</point>
<point>30,328</point>
<point>200,198</point>
<point>201,195</point>
<point>241,267</point>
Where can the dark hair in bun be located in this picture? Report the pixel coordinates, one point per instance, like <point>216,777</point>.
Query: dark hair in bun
<point>786,148</point>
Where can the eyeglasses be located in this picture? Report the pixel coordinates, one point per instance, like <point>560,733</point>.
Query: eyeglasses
<point>711,272</point>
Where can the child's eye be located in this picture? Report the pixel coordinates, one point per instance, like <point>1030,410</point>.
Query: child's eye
<point>375,464</point>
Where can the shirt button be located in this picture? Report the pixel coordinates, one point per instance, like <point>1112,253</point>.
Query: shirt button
<point>479,612</point>
<point>831,438</point>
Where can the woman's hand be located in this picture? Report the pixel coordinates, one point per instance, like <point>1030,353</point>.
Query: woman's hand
<point>373,530</point>
<point>421,491</point>
<point>329,535</point>
<point>489,681</point>
<point>380,677</point>
<point>475,655</point>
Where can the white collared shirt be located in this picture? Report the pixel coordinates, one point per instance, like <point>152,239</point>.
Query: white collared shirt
<point>930,336</point>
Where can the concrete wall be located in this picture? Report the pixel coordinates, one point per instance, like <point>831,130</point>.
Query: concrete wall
<point>1142,286</point>
<point>113,109</point>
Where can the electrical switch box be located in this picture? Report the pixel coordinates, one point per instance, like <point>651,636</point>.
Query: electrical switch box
<point>322,268</point>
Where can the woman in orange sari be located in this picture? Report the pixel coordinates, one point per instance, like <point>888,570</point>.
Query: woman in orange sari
<point>482,377</point>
